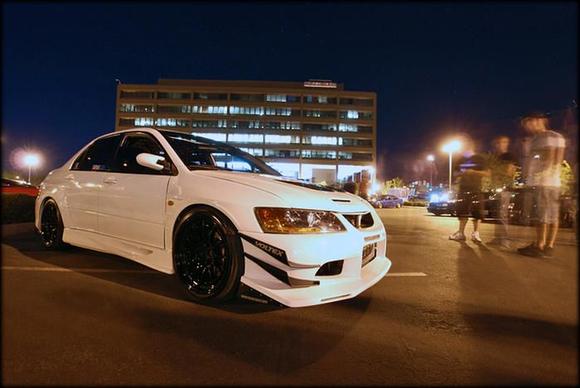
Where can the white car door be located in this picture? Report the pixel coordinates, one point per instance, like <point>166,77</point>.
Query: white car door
<point>133,198</point>
<point>84,180</point>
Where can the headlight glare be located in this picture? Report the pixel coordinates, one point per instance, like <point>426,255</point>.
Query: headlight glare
<point>296,221</point>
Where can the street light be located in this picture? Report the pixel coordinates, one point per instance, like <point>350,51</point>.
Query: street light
<point>431,159</point>
<point>30,160</point>
<point>451,147</point>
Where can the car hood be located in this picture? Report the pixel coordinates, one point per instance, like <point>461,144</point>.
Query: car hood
<point>293,192</point>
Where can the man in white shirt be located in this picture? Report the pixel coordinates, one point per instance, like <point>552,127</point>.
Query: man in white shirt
<point>542,169</point>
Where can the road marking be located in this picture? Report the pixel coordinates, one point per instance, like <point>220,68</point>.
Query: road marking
<point>89,270</point>
<point>406,274</point>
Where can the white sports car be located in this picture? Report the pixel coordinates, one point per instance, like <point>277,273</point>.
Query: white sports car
<point>213,215</point>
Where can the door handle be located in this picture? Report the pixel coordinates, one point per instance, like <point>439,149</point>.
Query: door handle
<point>110,181</point>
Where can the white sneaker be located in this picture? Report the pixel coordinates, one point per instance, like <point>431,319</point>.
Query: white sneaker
<point>475,237</point>
<point>457,236</point>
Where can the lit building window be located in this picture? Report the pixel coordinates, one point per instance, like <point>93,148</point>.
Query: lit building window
<point>347,127</point>
<point>209,109</point>
<point>288,154</point>
<point>260,111</point>
<point>282,139</point>
<point>355,115</point>
<point>276,97</point>
<point>209,124</point>
<point>170,122</point>
<point>245,138</point>
<point>319,140</point>
<point>318,154</point>
<point>253,151</point>
<point>213,136</point>
<point>143,121</point>
<point>136,108</point>
<point>355,156</point>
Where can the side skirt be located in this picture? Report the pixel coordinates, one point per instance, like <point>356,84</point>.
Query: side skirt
<point>157,259</point>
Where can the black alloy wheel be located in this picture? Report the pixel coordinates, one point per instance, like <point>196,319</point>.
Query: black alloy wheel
<point>51,226</point>
<point>208,255</point>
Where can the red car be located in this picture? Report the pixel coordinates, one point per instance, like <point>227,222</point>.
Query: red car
<point>11,186</point>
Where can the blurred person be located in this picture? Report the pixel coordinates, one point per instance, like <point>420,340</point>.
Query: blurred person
<point>502,176</point>
<point>472,167</point>
<point>543,167</point>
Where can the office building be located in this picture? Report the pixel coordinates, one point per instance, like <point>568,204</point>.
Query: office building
<point>314,130</point>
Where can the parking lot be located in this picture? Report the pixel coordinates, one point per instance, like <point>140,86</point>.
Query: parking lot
<point>448,313</point>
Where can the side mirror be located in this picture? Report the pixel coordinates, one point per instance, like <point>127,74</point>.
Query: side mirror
<point>154,162</point>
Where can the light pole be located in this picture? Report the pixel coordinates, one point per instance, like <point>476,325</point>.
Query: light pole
<point>30,160</point>
<point>430,159</point>
<point>451,147</point>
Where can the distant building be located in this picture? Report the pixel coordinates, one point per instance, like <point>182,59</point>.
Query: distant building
<point>313,130</point>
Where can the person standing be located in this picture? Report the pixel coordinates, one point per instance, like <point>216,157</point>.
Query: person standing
<point>502,178</point>
<point>472,168</point>
<point>543,167</point>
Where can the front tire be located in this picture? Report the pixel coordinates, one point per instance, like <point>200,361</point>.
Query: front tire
<point>208,256</point>
<point>51,226</point>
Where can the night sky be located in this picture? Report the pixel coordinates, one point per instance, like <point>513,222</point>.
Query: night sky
<point>437,68</point>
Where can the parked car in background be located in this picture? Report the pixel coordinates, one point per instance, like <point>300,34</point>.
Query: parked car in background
<point>442,208</point>
<point>387,201</point>
<point>522,210</point>
<point>13,186</point>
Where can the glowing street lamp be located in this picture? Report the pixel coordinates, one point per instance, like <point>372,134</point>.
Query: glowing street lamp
<point>30,160</point>
<point>451,147</point>
<point>430,159</point>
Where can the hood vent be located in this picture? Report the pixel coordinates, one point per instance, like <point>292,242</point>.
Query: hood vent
<point>341,200</point>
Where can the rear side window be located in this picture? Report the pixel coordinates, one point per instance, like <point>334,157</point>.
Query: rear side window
<point>99,155</point>
<point>133,145</point>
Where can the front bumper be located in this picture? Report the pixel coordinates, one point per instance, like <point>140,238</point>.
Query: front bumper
<point>290,268</point>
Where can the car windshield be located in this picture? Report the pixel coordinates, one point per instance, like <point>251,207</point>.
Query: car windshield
<point>199,153</point>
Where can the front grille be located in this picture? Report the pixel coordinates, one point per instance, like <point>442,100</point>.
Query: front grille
<point>369,253</point>
<point>360,221</point>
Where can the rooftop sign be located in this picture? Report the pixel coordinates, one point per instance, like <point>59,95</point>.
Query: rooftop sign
<point>320,83</point>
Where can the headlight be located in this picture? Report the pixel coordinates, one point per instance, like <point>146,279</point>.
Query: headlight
<point>294,221</point>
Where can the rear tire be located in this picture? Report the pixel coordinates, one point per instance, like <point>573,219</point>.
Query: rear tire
<point>51,226</point>
<point>207,256</point>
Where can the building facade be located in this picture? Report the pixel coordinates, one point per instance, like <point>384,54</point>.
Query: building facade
<point>313,130</point>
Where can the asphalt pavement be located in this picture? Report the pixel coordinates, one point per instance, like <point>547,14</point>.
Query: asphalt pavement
<point>448,313</point>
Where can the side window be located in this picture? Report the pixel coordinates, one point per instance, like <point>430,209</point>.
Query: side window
<point>99,156</point>
<point>133,145</point>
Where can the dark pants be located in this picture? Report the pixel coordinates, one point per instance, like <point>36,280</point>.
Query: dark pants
<point>469,204</point>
